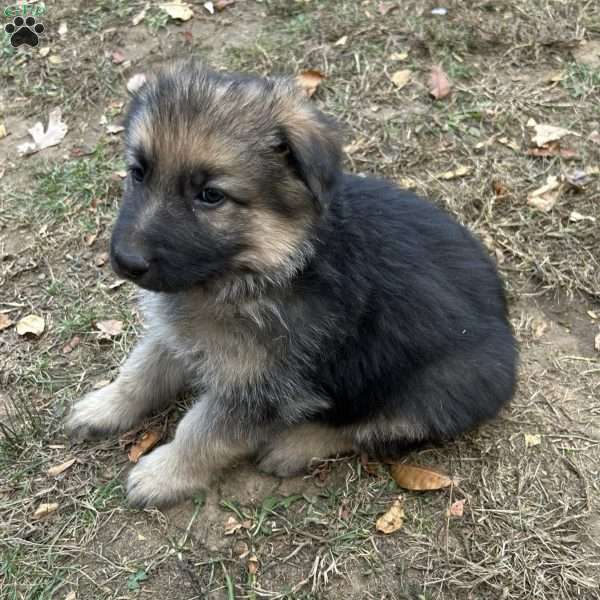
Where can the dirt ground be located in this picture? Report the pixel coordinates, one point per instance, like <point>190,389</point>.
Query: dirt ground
<point>530,479</point>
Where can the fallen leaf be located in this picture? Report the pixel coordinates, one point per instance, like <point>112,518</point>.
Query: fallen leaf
<point>532,439</point>
<point>415,477</point>
<point>210,7</point>
<point>252,564</point>
<point>597,343</point>
<point>393,519</point>
<point>545,197</point>
<point>178,9</point>
<point>399,56</point>
<point>113,129</point>
<point>147,441</point>
<point>56,131</point>
<point>342,41</point>
<point>4,321</point>
<point>71,596</point>
<point>575,217</point>
<point>109,328</point>
<point>549,133</point>
<point>539,328</point>
<point>44,51</point>
<point>500,190</point>
<point>135,82</point>
<point>232,525</point>
<point>139,17</point>
<point>309,80</point>
<point>63,29</point>
<point>401,78</point>
<point>369,467</point>
<point>552,149</point>
<point>3,133</point>
<point>460,171</point>
<point>58,469</point>
<point>116,284</point>
<point>221,5</point>
<point>31,324</point>
<point>55,59</point>
<point>117,57</point>
<point>457,509</point>
<point>71,345</point>
<point>44,509</point>
<point>439,85</point>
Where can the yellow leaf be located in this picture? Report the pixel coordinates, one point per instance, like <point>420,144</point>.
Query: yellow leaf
<point>392,520</point>
<point>109,328</point>
<point>31,324</point>
<point>417,478</point>
<point>58,469</point>
<point>549,133</point>
<point>401,78</point>
<point>43,510</point>
<point>460,171</point>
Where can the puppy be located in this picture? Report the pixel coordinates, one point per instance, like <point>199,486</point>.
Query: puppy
<point>312,312</point>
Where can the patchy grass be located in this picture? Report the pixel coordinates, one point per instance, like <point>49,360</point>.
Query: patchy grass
<point>531,527</point>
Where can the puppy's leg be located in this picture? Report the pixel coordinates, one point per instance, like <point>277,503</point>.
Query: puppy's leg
<point>292,450</point>
<point>149,378</point>
<point>205,442</point>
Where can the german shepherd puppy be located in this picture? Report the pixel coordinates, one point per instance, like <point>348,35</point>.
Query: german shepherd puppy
<point>313,312</point>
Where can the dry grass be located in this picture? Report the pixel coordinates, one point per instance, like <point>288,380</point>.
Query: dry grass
<point>531,527</point>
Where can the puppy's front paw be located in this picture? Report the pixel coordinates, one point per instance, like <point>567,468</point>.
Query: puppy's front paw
<point>160,479</point>
<point>276,460</point>
<point>98,414</point>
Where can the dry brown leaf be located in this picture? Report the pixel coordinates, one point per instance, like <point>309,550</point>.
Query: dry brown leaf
<point>252,564</point>
<point>500,189</point>
<point>552,149</point>
<point>399,56</point>
<point>109,328</point>
<point>545,134</point>
<point>457,509</point>
<point>393,519</point>
<point>52,136</point>
<point>532,439</point>
<point>4,321</point>
<point>439,84</point>
<point>101,259</point>
<point>32,324</point>
<point>58,469</point>
<point>342,41</point>
<point>221,5</point>
<point>418,478</point>
<point>309,80</point>
<point>181,11</point>
<point>147,441</point>
<point>232,525</point>
<point>460,171</point>
<point>545,197</point>
<point>71,345</point>
<point>401,78</point>
<point>44,509</point>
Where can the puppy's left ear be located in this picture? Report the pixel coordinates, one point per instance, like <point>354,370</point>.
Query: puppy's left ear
<point>311,145</point>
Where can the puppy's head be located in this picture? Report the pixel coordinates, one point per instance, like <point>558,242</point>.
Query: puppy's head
<point>227,177</point>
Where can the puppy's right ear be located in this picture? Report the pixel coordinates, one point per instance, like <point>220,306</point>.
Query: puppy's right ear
<point>310,142</point>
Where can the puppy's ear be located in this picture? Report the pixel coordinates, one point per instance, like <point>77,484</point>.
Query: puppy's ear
<point>309,141</point>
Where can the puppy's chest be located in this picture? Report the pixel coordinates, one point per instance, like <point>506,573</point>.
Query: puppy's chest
<point>224,348</point>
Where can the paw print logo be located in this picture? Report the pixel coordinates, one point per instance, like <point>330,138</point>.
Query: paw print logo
<point>24,31</point>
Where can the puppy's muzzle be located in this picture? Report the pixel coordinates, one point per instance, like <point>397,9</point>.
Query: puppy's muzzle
<point>129,262</point>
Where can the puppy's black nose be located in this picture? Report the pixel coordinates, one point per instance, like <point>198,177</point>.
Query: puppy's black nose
<point>129,263</point>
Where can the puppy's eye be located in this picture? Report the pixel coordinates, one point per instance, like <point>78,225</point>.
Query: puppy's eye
<point>211,197</point>
<point>137,174</point>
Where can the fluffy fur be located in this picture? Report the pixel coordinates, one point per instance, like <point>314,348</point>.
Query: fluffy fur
<point>314,312</point>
